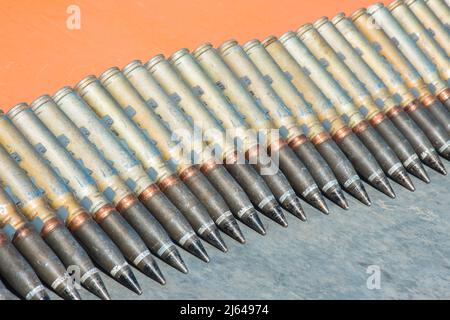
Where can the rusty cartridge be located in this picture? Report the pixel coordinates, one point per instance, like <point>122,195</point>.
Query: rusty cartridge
<point>370,93</point>
<point>359,155</point>
<point>424,66</point>
<point>14,268</point>
<point>108,179</point>
<point>434,26</point>
<point>34,206</point>
<point>398,93</point>
<point>403,82</point>
<point>430,49</point>
<point>33,130</point>
<point>139,141</point>
<point>216,106</point>
<point>289,87</point>
<point>101,102</point>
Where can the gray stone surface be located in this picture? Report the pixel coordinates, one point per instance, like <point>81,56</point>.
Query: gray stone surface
<point>327,258</point>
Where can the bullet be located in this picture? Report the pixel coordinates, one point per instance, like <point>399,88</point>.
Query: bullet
<point>16,270</point>
<point>301,84</point>
<point>106,176</point>
<point>367,167</point>
<point>173,85</point>
<point>5,294</point>
<point>382,56</point>
<point>79,181</point>
<point>25,236</point>
<point>353,102</point>
<point>246,62</point>
<point>147,152</point>
<point>431,22</point>
<point>430,50</point>
<point>368,92</point>
<point>441,10</point>
<point>424,66</point>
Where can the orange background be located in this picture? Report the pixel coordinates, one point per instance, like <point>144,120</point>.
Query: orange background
<point>39,54</point>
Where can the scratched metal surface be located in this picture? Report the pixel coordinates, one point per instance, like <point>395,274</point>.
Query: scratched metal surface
<point>327,258</point>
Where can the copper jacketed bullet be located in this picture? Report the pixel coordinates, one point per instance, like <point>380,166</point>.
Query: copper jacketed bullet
<point>430,120</point>
<point>14,269</point>
<point>147,119</point>
<point>45,224</point>
<point>108,180</point>
<point>172,184</point>
<point>405,85</point>
<point>297,83</point>
<point>82,185</point>
<point>144,184</point>
<point>372,98</point>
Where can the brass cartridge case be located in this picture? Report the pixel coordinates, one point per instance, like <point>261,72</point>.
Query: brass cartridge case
<point>429,19</point>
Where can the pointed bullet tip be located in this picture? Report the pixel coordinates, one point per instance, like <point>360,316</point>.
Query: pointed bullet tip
<point>418,171</point>
<point>432,160</point>
<point>150,268</point>
<point>337,196</point>
<point>70,293</point>
<point>174,259</point>
<point>383,185</point>
<point>317,201</point>
<point>127,278</point>
<point>95,285</point>
<point>294,206</point>
<point>253,221</point>
<point>213,237</point>
<point>401,177</point>
<point>357,190</point>
<point>195,247</point>
<point>231,228</point>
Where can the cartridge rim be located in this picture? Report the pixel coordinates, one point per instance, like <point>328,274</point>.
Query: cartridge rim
<point>375,7</point>
<point>320,22</point>
<point>250,45</point>
<point>338,18</point>
<point>151,64</point>
<point>202,49</point>
<point>227,45</point>
<point>81,86</point>
<point>286,36</point>
<point>18,108</point>
<point>304,29</point>
<point>395,4</point>
<point>108,74</point>
<point>61,93</point>
<point>40,101</point>
<point>358,13</point>
<point>131,66</point>
<point>268,41</point>
<point>178,55</point>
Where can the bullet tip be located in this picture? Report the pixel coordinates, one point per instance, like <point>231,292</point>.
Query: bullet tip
<point>253,221</point>
<point>337,196</point>
<point>231,228</point>
<point>401,177</point>
<point>95,285</point>
<point>174,259</point>
<point>213,237</point>
<point>432,160</point>
<point>150,268</point>
<point>418,171</point>
<point>275,212</point>
<point>195,247</point>
<point>357,190</point>
<point>294,206</point>
<point>127,278</point>
<point>316,200</point>
<point>383,185</point>
<point>70,293</point>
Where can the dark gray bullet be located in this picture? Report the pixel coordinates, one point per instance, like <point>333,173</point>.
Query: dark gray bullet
<point>18,273</point>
